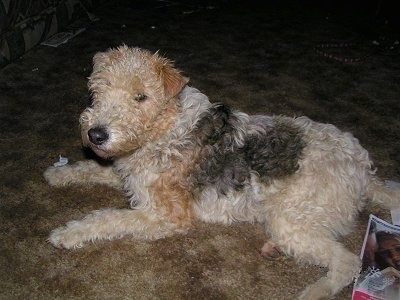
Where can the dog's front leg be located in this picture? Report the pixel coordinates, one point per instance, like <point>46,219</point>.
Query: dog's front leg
<point>82,172</point>
<point>111,224</point>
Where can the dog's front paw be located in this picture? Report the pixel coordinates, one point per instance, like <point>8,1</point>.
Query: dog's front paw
<point>57,176</point>
<point>65,238</point>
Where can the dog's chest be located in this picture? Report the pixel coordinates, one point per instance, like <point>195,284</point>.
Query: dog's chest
<point>138,172</point>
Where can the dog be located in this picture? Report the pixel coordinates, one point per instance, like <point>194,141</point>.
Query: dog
<point>181,158</point>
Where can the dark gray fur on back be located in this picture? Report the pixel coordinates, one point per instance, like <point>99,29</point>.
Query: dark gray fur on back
<point>273,150</point>
<point>276,152</point>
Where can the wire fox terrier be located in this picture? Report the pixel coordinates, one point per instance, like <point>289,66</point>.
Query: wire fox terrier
<point>179,158</point>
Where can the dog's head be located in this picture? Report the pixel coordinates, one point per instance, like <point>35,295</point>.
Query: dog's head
<point>133,93</point>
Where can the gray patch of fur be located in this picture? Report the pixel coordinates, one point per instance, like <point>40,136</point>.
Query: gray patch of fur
<point>219,165</point>
<point>275,153</point>
<point>272,151</point>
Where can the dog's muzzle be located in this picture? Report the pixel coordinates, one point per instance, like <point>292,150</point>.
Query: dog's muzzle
<point>98,135</point>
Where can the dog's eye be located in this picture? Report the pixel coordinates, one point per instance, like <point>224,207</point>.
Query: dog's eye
<point>140,97</point>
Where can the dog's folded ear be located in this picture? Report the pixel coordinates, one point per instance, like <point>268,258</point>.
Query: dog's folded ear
<point>172,78</point>
<point>173,83</point>
<point>104,59</point>
<point>100,59</point>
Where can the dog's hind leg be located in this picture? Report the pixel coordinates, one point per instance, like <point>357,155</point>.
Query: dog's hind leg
<point>82,172</point>
<point>317,247</point>
<point>343,266</point>
<point>110,224</point>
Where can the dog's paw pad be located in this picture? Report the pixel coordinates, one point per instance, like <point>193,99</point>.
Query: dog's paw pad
<point>271,251</point>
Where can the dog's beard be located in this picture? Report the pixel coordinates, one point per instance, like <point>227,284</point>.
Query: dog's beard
<point>109,150</point>
<point>102,153</point>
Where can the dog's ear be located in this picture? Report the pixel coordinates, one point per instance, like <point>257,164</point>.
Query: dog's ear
<point>103,59</point>
<point>171,78</point>
<point>174,81</point>
<point>100,60</point>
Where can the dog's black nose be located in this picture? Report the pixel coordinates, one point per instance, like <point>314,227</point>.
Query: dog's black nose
<point>98,135</point>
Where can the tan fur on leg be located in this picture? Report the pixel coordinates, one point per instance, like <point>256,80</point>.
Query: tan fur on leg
<point>110,224</point>
<point>82,172</point>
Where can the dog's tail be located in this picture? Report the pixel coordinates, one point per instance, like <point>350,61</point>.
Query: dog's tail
<point>382,195</point>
